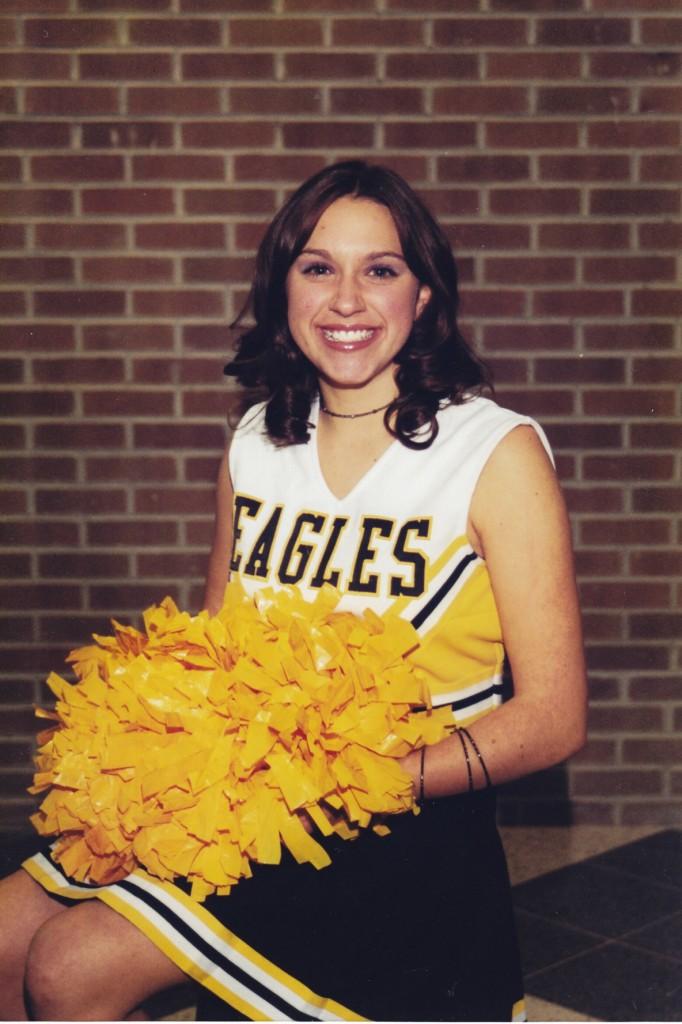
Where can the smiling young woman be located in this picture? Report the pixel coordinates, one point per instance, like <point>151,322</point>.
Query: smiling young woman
<point>376,464</point>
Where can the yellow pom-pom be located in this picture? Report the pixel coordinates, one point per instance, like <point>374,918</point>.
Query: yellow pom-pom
<point>193,748</point>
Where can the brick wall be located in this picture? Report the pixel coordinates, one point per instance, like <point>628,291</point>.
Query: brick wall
<point>145,145</point>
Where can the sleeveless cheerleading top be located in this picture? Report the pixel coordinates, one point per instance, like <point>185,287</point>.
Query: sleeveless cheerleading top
<point>396,542</point>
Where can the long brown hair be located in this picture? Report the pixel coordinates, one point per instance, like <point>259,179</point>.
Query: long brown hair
<point>435,366</point>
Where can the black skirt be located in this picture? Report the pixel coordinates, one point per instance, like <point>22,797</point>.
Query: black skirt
<point>417,925</point>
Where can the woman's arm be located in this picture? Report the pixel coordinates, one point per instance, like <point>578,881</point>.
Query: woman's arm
<point>518,523</point>
<point>219,560</point>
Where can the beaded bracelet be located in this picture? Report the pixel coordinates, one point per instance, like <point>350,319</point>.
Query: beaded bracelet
<point>465,751</point>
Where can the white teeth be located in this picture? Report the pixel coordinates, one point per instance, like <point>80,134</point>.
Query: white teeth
<point>347,337</point>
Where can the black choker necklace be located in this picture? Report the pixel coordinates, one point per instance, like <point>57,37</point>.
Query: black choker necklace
<point>352,415</point>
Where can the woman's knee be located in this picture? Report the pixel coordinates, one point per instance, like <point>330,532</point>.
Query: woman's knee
<point>91,964</point>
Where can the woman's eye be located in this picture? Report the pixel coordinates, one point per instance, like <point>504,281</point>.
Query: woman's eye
<point>382,272</point>
<point>316,269</point>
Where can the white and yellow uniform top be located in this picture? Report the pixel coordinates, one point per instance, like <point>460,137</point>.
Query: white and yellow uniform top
<point>397,541</point>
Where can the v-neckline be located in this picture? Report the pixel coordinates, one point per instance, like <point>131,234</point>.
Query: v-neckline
<point>315,453</point>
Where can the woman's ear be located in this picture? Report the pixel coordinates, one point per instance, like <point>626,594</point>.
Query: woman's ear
<point>423,297</point>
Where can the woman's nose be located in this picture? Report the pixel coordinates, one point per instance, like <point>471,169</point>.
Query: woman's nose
<point>347,297</point>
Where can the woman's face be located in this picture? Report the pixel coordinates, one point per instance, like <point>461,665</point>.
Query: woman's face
<point>352,299</point>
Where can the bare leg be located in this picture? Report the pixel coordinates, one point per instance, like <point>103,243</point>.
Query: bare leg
<point>89,963</point>
<point>24,907</point>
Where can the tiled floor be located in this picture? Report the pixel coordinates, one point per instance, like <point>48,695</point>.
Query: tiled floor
<point>600,921</point>
<point>601,935</point>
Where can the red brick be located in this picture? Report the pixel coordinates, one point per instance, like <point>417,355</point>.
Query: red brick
<point>531,134</point>
<point>228,134</point>
<point>494,303</point>
<point>12,304</point>
<point>12,371</point>
<point>648,812</point>
<point>14,503</point>
<point>79,435</point>
<point>662,167</point>
<point>73,565</point>
<point>70,33</point>
<point>286,100</point>
<point>172,566</point>
<point>657,302</point>
<point>656,563</point>
<point>537,402</point>
<point>93,501</point>
<point>501,167</point>
<point>625,531</point>
<point>127,134</point>
<point>180,99</point>
<point>596,751</point>
<point>126,533</point>
<point>626,134</point>
<point>29,66</point>
<point>592,167</point>
<point>201,470</point>
<point>628,402</point>
<point>594,499</point>
<point>31,337</point>
<point>588,436</point>
<point>8,101</point>
<point>275,167</point>
<point>581,32</point>
<point>76,168</point>
<point>126,201</point>
<point>407,67</point>
<point>128,403</point>
<point>532,270</point>
<point>654,751</point>
<point>179,168</point>
<point>573,99</point>
<point>80,236</point>
<point>656,626</point>
<point>229,66</point>
<point>661,434</point>
<point>70,101</point>
<point>175,501</point>
<point>660,100</point>
<point>34,135</point>
<point>628,336</point>
<point>182,235</point>
<point>180,32</point>
<point>275,32</point>
<point>634,202</point>
<point>173,435</point>
<point>182,303</point>
<point>79,303</point>
<point>654,370</point>
<point>475,32</point>
<point>127,268</point>
<point>655,688</point>
<point>329,135</point>
<point>71,629</point>
<point>480,99</point>
<point>661,31</point>
<point>177,371</point>
<point>616,783</point>
<point>10,168</point>
<point>657,499</point>
<point>479,235</point>
<point>128,598</point>
<point>531,64</point>
<point>572,235</point>
<point>78,371</point>
<point>431,134</point>
<point>532,337</point>
<point>199,531</point>
<point>36,533</point>
<point>30,469</point>
<point>127,337</point>
<point>630,268</point>
<point>40,268</point>
<point>124,5</point>
<point>221,269</point>
<point>206,403</point>
<point>35,202</point>
<point>377,32</point>
<point>125,67</point>
<point>198,337</point>
<point>229,200</point>
<point>578,303</point>
<point>629,64</point>
<point>628,467</point>
<point>126,467</point>
<point>313,6</point>
<point>538,201</point>
<point>379,100</point>
<point>37,403</point>
<point>12,236</point>
<point>626,657</point>
<point>625,594</point>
